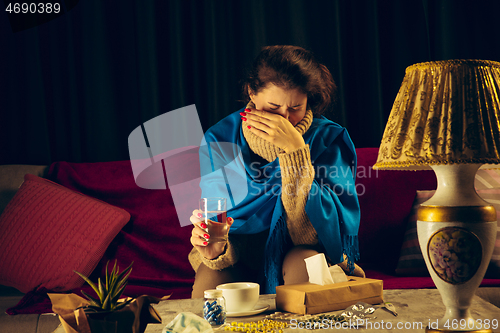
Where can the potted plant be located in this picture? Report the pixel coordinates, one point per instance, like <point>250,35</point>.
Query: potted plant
<point>109,292</point>
<point>106,312</point>
<point>103,313</point>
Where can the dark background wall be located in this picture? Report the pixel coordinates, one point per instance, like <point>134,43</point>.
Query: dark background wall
<point>75,87</point>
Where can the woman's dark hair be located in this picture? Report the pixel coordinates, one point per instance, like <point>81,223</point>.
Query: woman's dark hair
<point>292,67</point>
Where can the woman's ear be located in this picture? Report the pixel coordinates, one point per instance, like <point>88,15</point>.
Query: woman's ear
<point>250,94</point>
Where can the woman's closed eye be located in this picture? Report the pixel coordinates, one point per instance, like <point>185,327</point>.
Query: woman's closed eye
<point>276,107</point>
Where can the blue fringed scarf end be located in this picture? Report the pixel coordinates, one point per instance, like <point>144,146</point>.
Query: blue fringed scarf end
<point>276,247</point>
<point>350,247</point>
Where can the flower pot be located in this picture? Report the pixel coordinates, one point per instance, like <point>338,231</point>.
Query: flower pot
<point>133,318</point>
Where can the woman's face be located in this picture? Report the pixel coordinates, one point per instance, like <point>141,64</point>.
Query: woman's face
<point>290,104</point>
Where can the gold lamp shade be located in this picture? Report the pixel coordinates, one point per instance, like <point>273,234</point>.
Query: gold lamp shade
<point>445,112</point>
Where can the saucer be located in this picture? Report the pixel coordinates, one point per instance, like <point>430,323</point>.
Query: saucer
<point>256,310</point>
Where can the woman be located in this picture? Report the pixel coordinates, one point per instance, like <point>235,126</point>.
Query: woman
<point>301,197</point>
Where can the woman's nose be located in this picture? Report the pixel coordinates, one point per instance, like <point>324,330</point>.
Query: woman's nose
<point>283,112</point>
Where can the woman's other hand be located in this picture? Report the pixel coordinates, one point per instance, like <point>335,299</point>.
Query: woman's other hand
<point>274,128</point>
<point>200,238</point>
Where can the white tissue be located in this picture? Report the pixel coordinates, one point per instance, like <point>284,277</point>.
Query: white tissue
<point>320,273</point>
<point>338,274</point>
<point>318,270</point>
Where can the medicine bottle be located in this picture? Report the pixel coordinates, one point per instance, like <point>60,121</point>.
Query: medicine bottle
<point>214,307</point>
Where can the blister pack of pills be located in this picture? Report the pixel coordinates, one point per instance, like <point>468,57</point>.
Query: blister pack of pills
<point>359,310</point>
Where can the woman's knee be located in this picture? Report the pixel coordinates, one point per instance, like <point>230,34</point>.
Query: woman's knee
<point>294,266</point>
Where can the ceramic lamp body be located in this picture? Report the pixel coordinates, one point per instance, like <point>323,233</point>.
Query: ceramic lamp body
<point>458,249</point>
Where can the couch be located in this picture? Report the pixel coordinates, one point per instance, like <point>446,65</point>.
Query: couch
<point>152,236</point>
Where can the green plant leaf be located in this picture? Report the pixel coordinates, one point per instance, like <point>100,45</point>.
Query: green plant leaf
<point>93,301</point>
<point>120,280</point>
<point>107,277</point>
<point>123,304</point>
<point>112,277</point>
<point>129,269</point>
<point>94,308</point>
<point>101,289</point>
<point>89,282</point>
<point>119,293</point>
<point>107,305</point>
<point>124,279</point>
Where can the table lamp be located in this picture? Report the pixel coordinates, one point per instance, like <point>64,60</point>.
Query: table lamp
<point>446,116</point>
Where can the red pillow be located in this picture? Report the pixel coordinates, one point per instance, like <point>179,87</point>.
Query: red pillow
<point>48,230</point>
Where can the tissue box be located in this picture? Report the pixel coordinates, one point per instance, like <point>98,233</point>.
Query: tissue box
<point>308,298</point>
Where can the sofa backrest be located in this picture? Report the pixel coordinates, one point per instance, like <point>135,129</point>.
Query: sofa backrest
<point>159,246</point>
<point>386,199</point>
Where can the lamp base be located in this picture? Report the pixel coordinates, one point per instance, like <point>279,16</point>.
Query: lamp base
<point>456,231</point>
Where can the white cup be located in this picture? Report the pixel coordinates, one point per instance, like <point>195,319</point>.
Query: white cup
<point>240,296</point>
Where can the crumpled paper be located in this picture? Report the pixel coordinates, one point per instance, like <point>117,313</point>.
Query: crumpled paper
<point>320,273</point>
<point>133,318</point>
<point>188,322</point>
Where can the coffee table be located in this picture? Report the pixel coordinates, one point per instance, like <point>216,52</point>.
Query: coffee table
<point>417,308</point>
